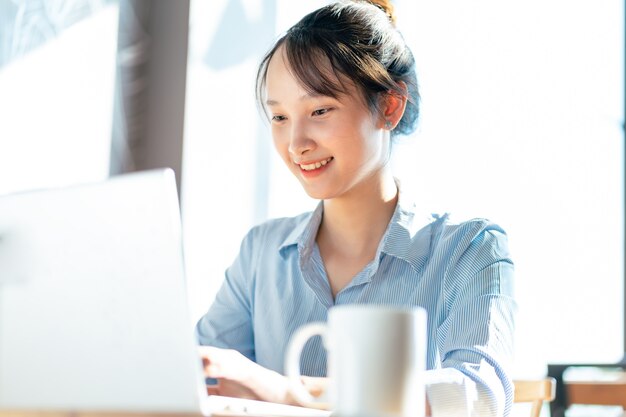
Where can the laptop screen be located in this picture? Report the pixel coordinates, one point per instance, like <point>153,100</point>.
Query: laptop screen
<point>93,304</point>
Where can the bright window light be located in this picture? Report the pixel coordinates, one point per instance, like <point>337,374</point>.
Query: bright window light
<point>56,107</point>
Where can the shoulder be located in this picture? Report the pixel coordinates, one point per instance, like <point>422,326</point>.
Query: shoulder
<point>476,254</point>
<point>441,232</point>
<point>464,233</point>
<point>262,245</point>
<point>470,244</point>
<point>279,231</point>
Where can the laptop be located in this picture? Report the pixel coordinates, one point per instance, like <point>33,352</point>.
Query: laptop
<point>93,303</point>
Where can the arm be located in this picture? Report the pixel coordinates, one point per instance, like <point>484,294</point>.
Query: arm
<point>228,322</point>
<point>226,336</point>
<point>475,337</point>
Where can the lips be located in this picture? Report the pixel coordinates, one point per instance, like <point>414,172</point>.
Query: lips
<point>311,166</point>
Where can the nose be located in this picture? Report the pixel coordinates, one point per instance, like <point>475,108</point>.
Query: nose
<point>300,141</point>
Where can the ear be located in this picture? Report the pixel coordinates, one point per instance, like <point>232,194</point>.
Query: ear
<point>393,105</point>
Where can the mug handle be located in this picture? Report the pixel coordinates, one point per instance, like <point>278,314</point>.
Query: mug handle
<point>292,363</point>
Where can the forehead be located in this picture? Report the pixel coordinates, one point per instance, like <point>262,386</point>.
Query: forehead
<point>312,68</point>
<point>279,70</point>
<point>310,75</point>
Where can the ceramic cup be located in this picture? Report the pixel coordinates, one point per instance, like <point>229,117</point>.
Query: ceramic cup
<point>376,361</point>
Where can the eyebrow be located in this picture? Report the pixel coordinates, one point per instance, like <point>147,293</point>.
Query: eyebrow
<point>305,96</point>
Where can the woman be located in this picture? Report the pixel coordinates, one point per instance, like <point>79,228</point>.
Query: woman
<point>337,88</point>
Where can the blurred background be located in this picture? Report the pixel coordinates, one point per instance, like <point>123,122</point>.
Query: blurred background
<point>522,122</point>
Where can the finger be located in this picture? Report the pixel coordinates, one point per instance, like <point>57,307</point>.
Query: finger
<point>213,370</point>
<point>211,358</point>
<point>213,389</point>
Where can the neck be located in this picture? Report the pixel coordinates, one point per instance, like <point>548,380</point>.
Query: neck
<point>355,223</point>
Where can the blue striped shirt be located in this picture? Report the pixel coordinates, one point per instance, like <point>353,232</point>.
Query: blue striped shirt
<point>460,273</point>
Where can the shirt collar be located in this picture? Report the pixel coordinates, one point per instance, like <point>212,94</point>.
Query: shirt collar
<point>404,237</point>
<point>303,235</point>
<point>399,239</point>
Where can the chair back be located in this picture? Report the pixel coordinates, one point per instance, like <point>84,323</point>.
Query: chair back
<point>535,392</point>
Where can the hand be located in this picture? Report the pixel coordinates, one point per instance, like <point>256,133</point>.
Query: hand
<point>240,377</point>
<point>229,367</point>
<point>315,385</point>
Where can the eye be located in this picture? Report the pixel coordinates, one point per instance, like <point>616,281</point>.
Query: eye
<point>278,118</point>
<point>321,112</point>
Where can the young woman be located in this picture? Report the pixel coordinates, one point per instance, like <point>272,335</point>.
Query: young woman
<point>337,88</point>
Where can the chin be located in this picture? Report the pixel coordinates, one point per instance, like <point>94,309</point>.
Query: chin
<point>317,195</point>
<point>320,190</point>
<point>315,192</point>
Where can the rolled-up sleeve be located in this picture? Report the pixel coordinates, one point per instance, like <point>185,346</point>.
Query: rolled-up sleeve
<point>475,336</point>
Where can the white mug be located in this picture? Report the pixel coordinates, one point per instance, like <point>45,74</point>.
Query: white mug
<point>376,361</point>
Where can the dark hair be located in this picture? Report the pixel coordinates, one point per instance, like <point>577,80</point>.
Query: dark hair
<point>361,44</point>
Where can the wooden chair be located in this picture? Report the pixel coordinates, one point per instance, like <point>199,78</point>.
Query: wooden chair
<point>588,392</point>
<point>535,392</point>
<point>597,392</point>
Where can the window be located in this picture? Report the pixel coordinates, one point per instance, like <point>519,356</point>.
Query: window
<point>522,123</point>
<point>57,72</point>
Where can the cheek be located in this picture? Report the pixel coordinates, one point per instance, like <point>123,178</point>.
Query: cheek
<point>278,139</point>
<point>281,143</point>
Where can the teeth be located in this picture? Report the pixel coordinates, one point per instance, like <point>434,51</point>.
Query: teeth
<point>316,165</point>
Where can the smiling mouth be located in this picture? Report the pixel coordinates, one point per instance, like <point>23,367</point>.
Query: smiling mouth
<point>315,165</point>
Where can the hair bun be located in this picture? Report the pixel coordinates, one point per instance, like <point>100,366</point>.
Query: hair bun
<point>387,7</point>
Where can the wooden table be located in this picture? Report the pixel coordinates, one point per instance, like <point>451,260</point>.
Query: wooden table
<point>13,413</point>
<point>107,414</point>
<point>234,409</point>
